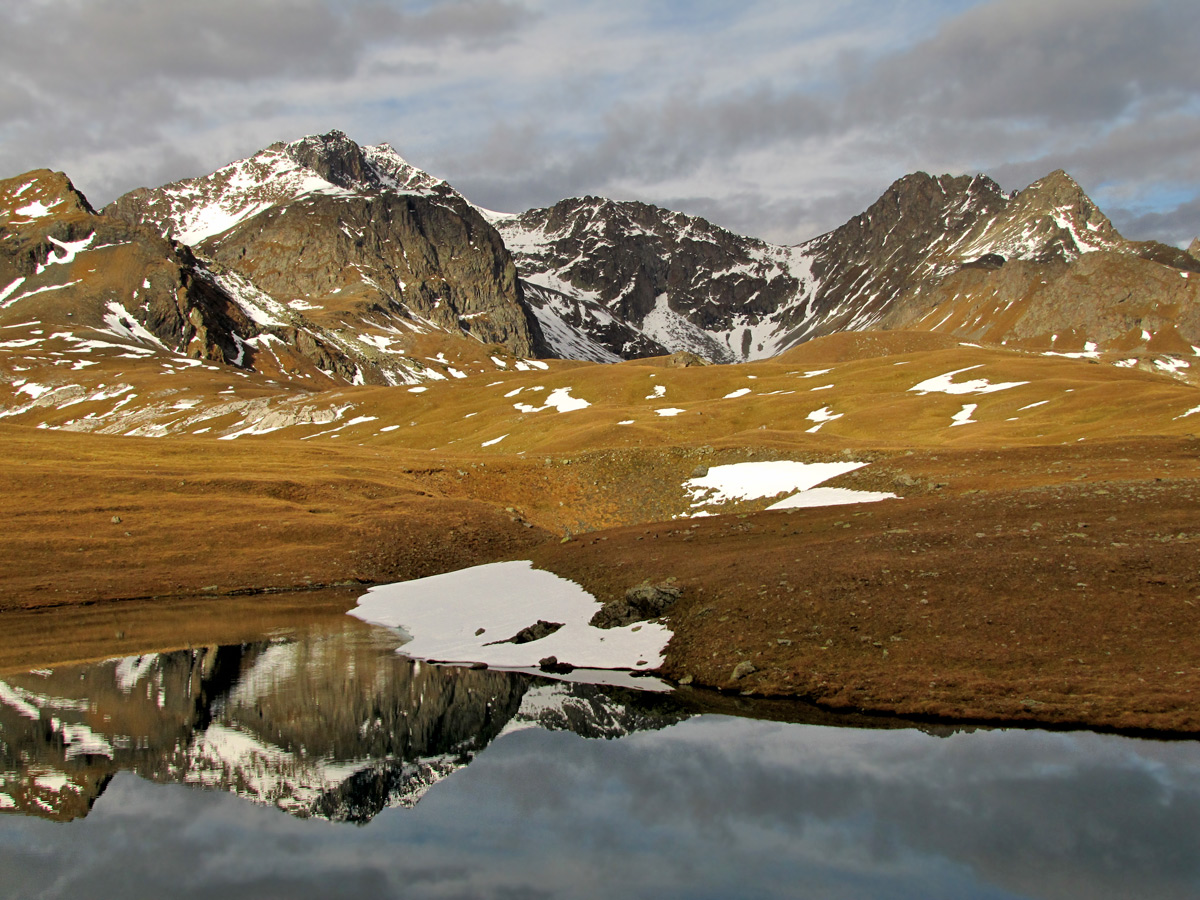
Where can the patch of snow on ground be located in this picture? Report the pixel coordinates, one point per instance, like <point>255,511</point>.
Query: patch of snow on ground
<point>442,614</point>
<point>756,480</point>
<point>560,399</point>
<point>963,416</point>
<point>1090,351</point>
<point>669,411</point>
<point>660,390</point>
<point>35,210</point>
<point>944,384</point>
<point>821,416</point>
<point>70,249</point>
<point>740,392</point>
<point>1171,365</point>
<point>830,496</point>
<point>121,323</point>
<point>493,441</point>
<point>4,294</point>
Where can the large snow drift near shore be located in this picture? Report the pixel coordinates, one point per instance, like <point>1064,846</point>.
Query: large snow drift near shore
<point>458,617</point>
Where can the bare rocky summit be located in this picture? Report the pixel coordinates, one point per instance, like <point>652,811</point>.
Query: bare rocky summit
<point>354,238</point>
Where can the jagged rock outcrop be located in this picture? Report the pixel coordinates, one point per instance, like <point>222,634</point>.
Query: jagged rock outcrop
<point>320,259</point>
<point>926,241</point>
<point>350,236</point>
<point>682,283</point>
<point>97,278</point>
<point>1048,269</point>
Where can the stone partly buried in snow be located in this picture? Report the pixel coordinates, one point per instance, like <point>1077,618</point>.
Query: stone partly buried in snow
<point>535,632</point>
<point>640,604</point>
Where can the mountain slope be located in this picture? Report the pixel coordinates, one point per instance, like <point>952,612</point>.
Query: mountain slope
<point>682,282</point>
<point>689,285</point>
<point>321,262</point>
<point>365,246</point>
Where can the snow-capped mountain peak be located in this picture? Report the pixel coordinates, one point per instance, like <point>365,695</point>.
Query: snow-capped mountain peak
<point>197,209</point>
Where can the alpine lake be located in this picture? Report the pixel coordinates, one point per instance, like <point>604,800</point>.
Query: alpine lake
<point>309,758</point>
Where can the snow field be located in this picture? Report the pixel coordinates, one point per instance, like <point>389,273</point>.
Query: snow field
<point>456,617</point>
<point>758,480</point>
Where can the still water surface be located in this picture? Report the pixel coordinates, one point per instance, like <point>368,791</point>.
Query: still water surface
<point>320,763</point>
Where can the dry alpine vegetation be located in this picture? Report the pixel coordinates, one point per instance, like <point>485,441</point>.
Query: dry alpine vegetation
<point>1023,573</point>
<point>188,455</point>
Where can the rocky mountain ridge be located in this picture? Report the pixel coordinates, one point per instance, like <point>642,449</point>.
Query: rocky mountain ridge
<point>319,262</point>
<point>356,241</point>
<point>694,287</point>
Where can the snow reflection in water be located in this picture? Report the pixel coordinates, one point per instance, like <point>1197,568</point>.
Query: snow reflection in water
<point>334,725</point>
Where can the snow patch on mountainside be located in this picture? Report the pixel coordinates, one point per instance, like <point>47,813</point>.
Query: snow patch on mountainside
<point>201,208</point>
<point>678,335</point>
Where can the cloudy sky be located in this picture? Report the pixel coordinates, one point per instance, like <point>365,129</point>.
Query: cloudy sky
<point>777,118</point>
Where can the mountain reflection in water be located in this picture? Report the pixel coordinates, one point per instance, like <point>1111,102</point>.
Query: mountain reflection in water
<point>331,724</point>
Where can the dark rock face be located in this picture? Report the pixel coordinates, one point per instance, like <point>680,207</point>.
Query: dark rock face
<point>866,265</point>
<point>640,604</point>
<point>684,283</point>
<point>349,236</point>
<point>400,256</point>
<point>692,287</point>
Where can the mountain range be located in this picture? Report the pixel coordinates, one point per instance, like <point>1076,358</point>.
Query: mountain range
<point>321,262</point>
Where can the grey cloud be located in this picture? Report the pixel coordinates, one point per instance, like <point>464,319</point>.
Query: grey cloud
<point>780,219</point>
<point>649,141</point>
<point>1177,226</point>
<point>522,104</point>
<point>110,45</point>
<point>672,137</point>
<point>1066,62</point>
